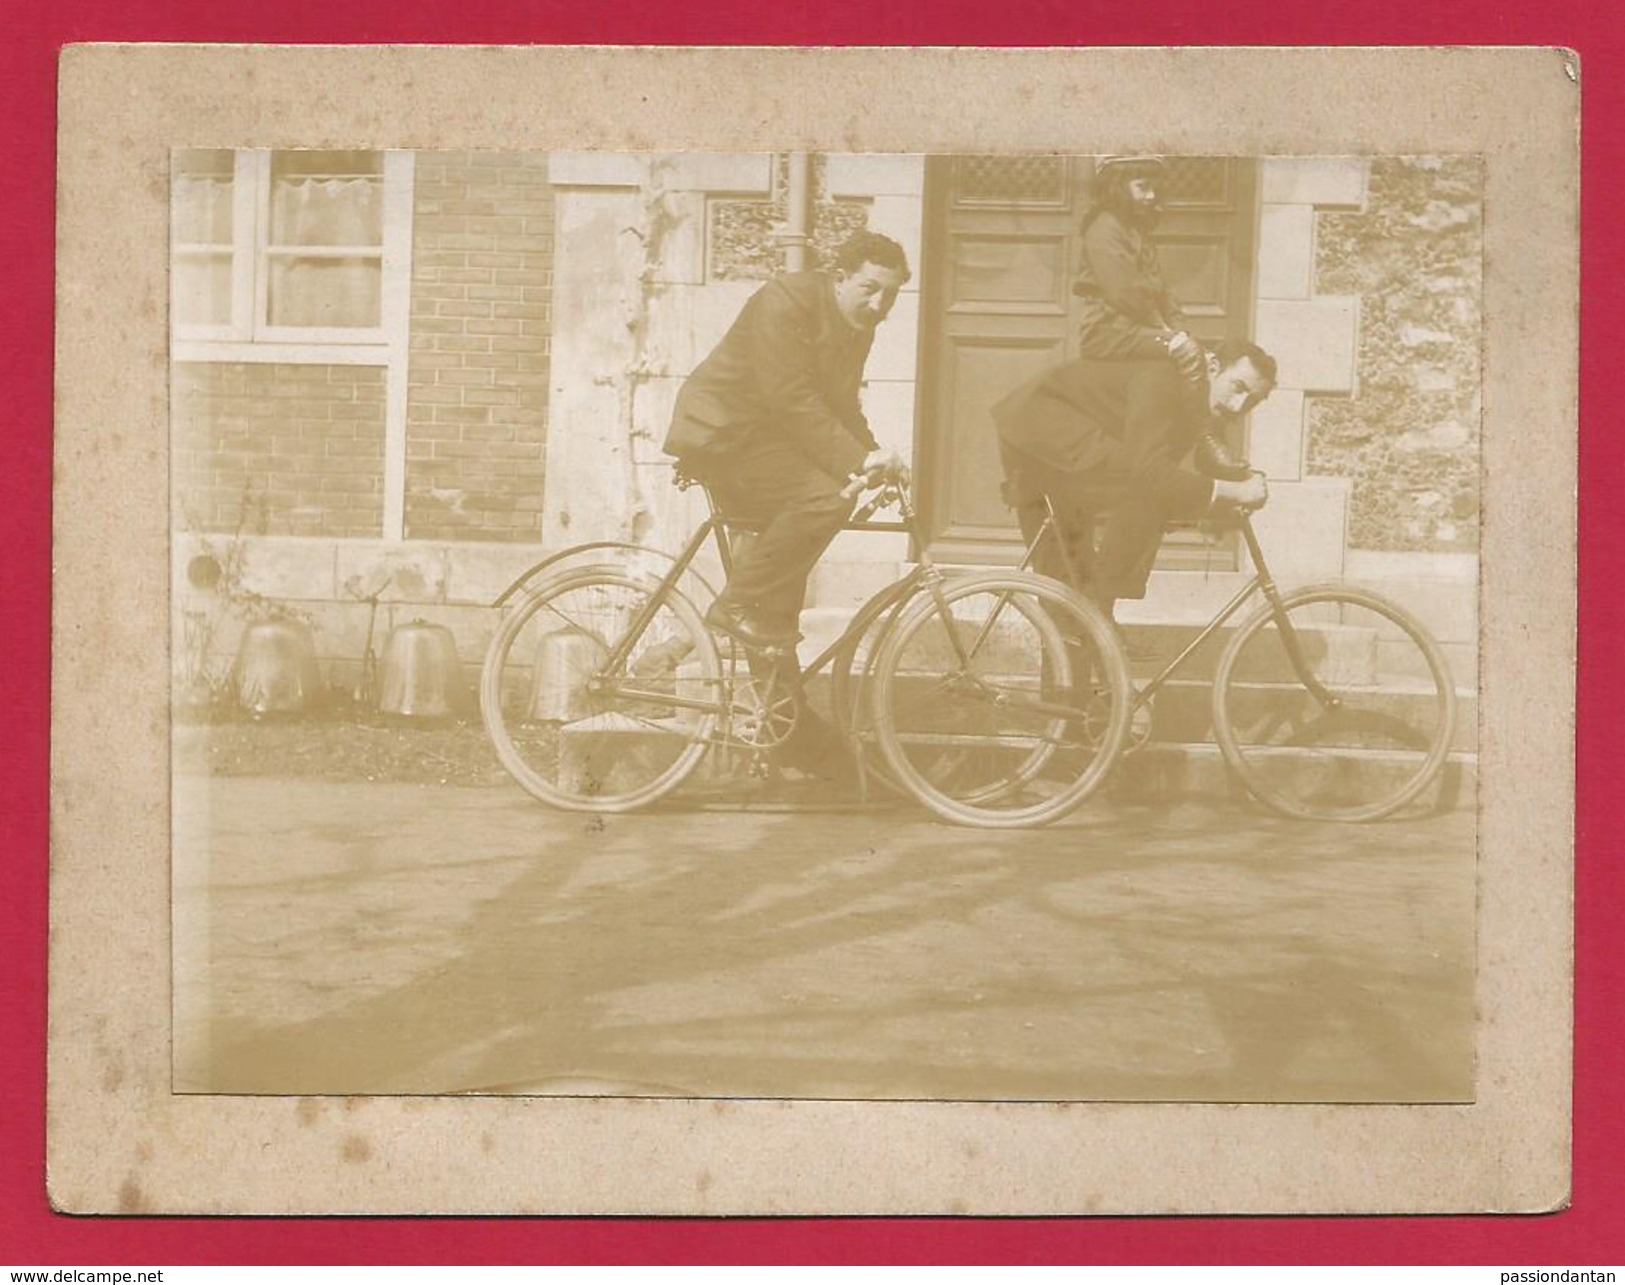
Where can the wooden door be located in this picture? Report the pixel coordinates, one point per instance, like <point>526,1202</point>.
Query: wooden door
<point>999,258</point>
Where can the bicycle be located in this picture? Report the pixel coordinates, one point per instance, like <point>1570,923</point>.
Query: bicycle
<point>997,699</point>
<point>1329,703</point>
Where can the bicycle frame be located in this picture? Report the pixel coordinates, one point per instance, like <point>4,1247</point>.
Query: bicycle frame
<point>1262,582</point>
<point>716,528</point>
<point>643,624</point>
<point>926,574</point>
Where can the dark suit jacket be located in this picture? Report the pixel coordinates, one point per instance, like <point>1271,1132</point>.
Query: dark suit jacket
<point>1127,308</point>
<point>789,365</point>
<point>1119,425</point>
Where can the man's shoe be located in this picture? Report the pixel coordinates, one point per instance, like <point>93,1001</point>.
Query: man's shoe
<point>733,621</point>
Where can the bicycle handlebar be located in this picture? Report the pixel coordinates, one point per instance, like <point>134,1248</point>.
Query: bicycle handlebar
<point>857,483</point>
<point>1247,510</point>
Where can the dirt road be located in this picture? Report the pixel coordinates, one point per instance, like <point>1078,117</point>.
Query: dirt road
<point>414,939</point>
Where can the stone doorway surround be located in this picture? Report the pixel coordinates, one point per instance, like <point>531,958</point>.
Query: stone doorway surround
<point>607,479</point>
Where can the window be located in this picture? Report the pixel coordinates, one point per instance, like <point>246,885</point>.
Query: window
<point>297,254</point>
<point>204,285</point>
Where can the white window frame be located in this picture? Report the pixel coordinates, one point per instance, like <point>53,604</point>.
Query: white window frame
<point>247,338</point>
<point>243,221</point>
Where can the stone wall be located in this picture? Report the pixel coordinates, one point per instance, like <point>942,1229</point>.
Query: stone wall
<point>1408,434</point>
<point>743,236</point>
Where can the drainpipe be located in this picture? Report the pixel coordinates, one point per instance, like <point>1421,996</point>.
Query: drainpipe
<point>798,214</point>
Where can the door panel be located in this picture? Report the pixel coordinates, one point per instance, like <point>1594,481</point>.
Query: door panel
<point>1205,240</point>
<point>1011,274</point>
<point>982,372</point>
<point>1001,252</point>
<point>1202,268</point>
<point>997,312</point>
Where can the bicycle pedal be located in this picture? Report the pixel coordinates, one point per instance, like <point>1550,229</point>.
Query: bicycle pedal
<point>774,655</point>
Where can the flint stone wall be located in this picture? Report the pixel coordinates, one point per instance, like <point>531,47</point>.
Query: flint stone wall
<point>1408,435</point>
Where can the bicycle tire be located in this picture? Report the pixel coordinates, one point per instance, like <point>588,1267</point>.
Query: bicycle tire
<point>992,701</point>
<point>852,671</point>
<point>559,724</point>
<point>1374,752</point>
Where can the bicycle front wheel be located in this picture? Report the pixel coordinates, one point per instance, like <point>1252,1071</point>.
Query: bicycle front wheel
<point>852,677</point>
<point>591,710</point>
<point>1001,700</point>
<point>1337,705</point>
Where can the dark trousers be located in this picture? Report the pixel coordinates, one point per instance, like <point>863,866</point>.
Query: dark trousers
<point>796,509</point>
<point>1132,534</point>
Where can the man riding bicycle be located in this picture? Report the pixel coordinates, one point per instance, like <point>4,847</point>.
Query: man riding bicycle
<point>1106,438</point>
<point>771,424</point>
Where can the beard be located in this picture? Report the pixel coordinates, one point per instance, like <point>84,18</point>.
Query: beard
<point>1132,212</point>
<point>1144,217</point>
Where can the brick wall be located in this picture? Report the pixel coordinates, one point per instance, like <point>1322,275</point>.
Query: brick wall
<point>482,283</point>
<point>278,449</point>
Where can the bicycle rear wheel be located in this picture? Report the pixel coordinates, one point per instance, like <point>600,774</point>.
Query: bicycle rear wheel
<point>580,732</point>
<point>1337,706</point>
<point>1001,700</point>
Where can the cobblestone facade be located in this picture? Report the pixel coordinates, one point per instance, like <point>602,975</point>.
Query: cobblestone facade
<point>1408,437</point>
<point>743,232</point>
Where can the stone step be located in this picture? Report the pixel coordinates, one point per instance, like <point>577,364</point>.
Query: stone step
<point>1182,711</point>
<point>1352,652</point>
<point>1155,773</point>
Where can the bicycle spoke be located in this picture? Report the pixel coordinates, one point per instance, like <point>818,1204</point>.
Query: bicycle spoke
<point>566,730</point>
<point>553,609</point>
<point>1367,756</point>
<point>966,701</point>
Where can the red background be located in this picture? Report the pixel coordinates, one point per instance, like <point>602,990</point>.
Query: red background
<point>1588,1233</point>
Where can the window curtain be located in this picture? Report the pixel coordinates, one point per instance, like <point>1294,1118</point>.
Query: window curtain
<point>326,290</point>
<point>201,278</point>
<point>202,210</point>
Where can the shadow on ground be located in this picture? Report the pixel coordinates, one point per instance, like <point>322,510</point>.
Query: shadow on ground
<point>390,939</point>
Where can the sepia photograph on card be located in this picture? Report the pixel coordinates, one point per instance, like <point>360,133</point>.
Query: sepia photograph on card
<point>616,654</point>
